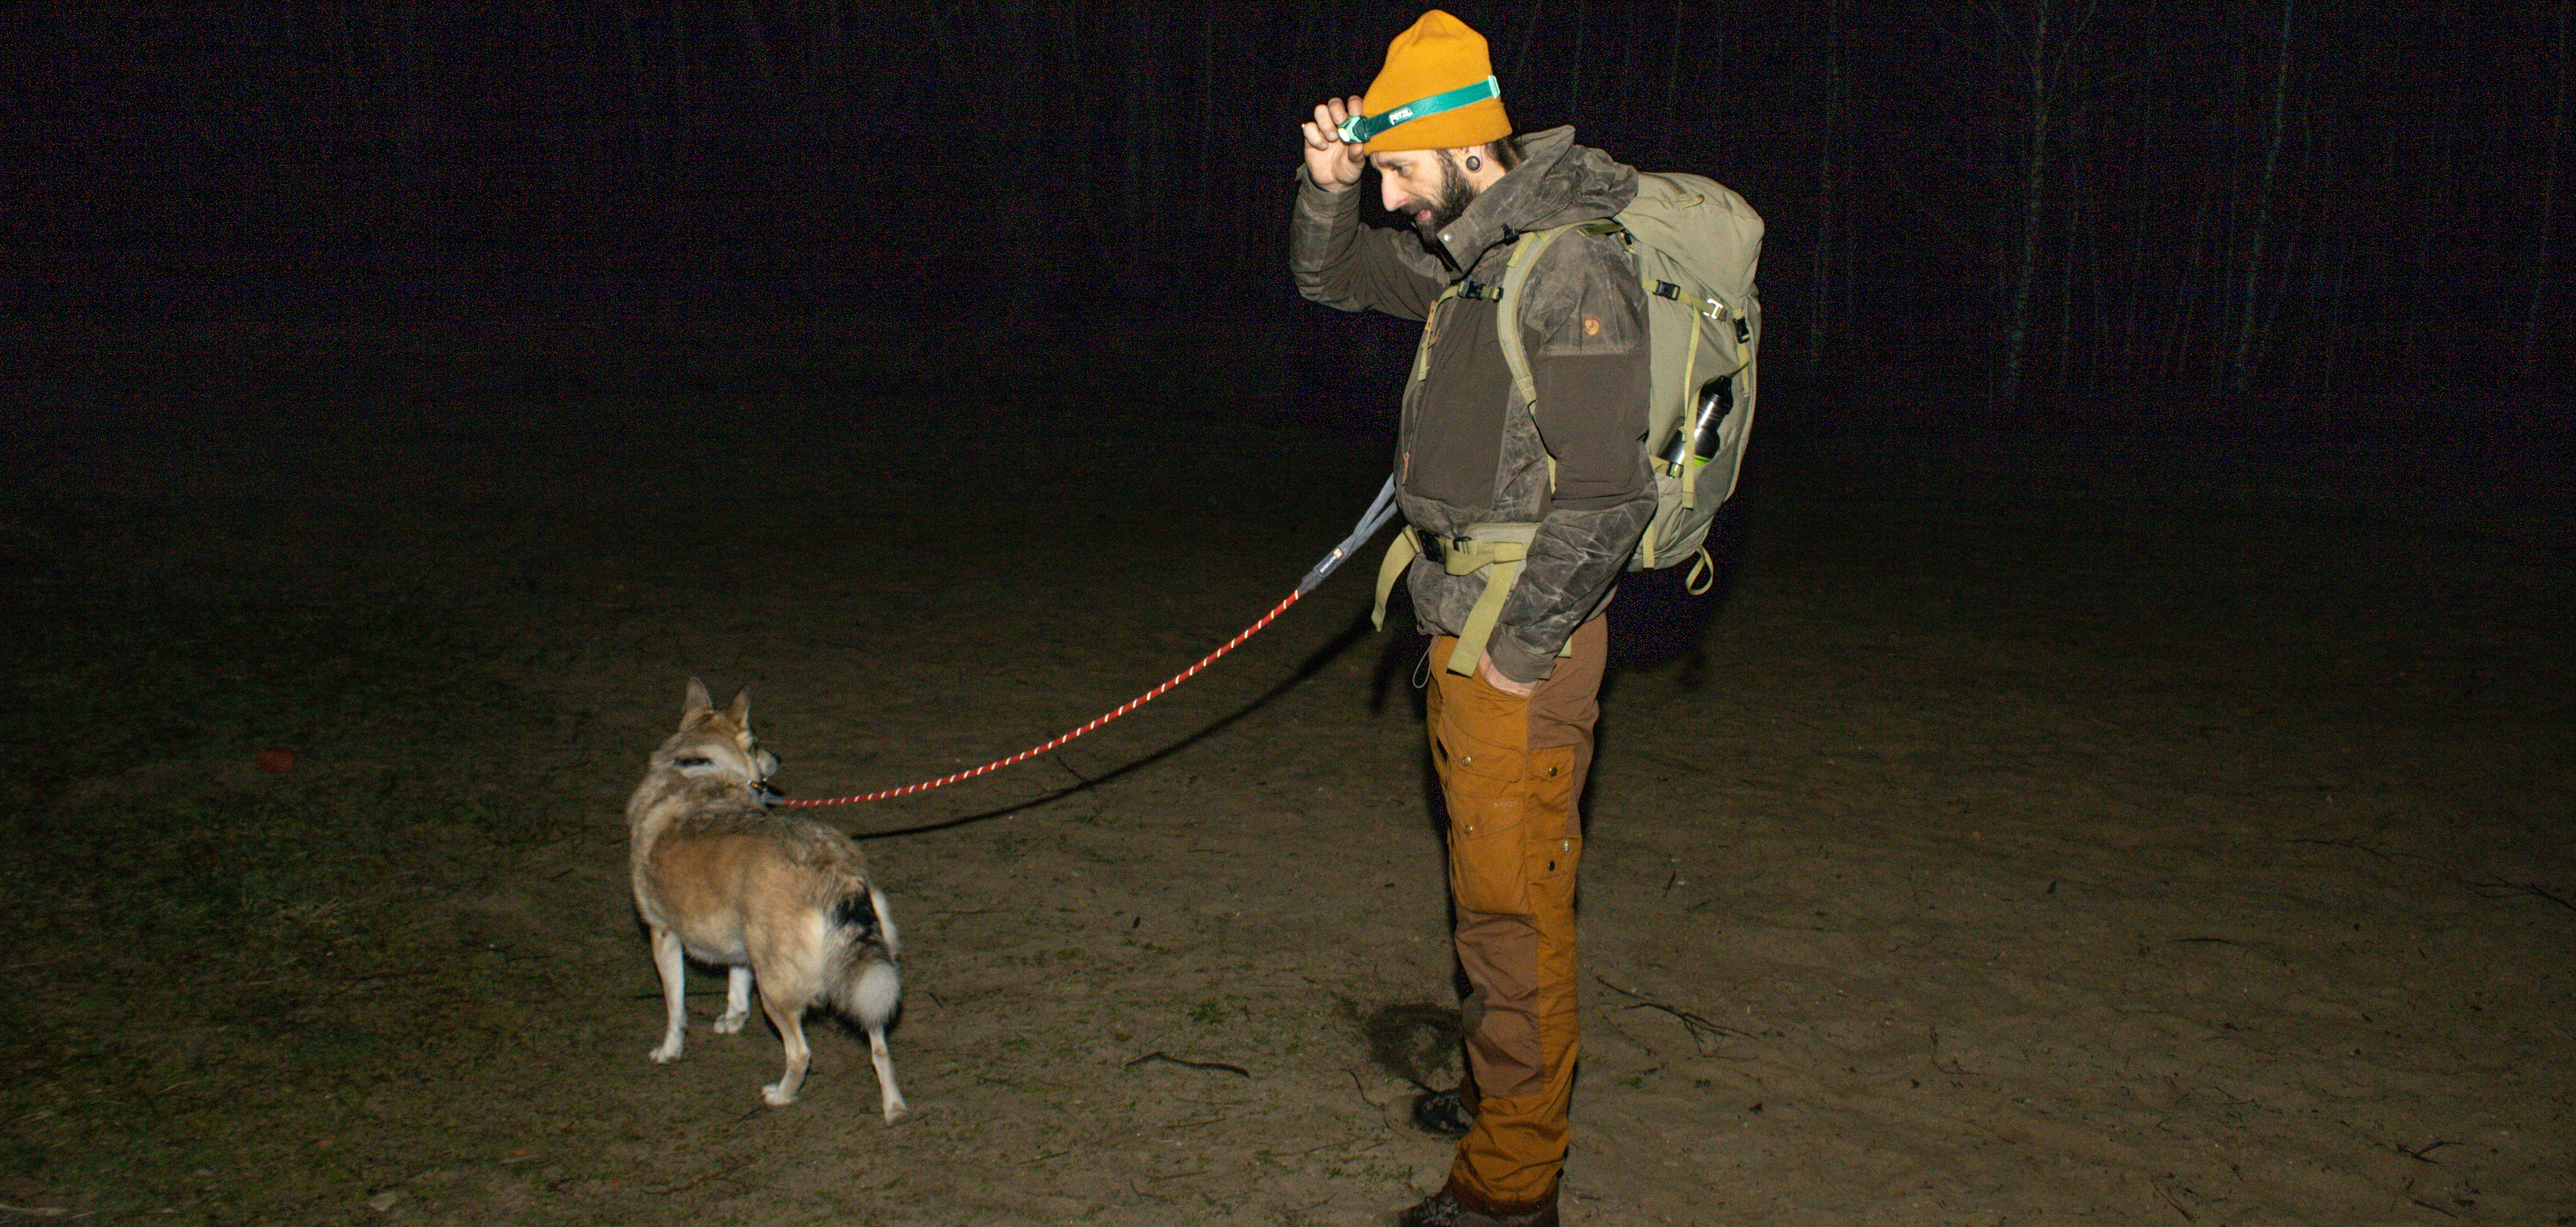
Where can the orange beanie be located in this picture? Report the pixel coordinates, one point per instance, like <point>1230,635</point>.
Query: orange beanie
<point>1439,53</point>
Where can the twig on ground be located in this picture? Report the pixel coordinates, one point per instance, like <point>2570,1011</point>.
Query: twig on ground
<point>1362,1087</point>
<point>2507,890</point>
<point>2418,1155</point>
<point>2167,1194</point>
<point>2354,845</point>
<point>2434,1208</point>
<point>2487,887</point>
<point>1212,1066</point>
<point>1700,1028</point>
<point>40,1211</point>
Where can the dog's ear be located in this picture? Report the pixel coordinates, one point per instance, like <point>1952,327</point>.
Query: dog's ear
<point>697,706</point>
<point>741,709</point>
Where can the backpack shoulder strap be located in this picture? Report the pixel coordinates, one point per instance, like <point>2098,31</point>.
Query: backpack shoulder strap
<point>1507,322</point>
<point>1516,273</point>
<point>1507,325</point>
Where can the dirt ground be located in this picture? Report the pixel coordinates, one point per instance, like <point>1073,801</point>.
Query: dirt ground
<point>1991,853</point>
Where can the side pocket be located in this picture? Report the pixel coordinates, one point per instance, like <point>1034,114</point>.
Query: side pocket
<point>1488,867</point>
<point>1553,847</point>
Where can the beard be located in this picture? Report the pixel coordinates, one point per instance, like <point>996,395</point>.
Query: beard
<point>1455,195</point>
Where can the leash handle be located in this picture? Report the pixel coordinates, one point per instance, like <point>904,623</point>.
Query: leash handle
<point>1379,512</point>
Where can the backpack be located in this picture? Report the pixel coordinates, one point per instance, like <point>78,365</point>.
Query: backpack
<point>1697,245</point>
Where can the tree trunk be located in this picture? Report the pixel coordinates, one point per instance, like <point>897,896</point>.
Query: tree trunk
<point>1673,86</point>
<point>2042,98</point>
<point>2066,261</point>
<point>2240,368</point>
<point>1819,296</point>
<point>2548,211</point>
<point>1574,86</point>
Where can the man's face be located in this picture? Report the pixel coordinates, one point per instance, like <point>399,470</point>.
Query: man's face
<point>1424,188</point>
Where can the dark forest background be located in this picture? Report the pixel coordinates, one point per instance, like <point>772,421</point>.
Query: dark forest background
<point>2287,225</point>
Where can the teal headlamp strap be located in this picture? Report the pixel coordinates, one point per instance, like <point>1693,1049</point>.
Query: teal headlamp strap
<point>1357,130</point>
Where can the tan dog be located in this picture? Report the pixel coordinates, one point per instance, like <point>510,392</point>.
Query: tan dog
<point>776,899</point>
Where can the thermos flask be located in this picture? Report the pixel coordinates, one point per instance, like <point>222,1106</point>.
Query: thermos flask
<point>1695,442</point>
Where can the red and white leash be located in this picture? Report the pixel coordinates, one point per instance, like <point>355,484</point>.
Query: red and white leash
<point>1379,513</point>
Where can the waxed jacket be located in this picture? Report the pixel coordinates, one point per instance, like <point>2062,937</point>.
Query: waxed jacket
<point>1469,449</point>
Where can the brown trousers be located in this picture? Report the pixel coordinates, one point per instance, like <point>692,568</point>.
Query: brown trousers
<point>1510,769</point>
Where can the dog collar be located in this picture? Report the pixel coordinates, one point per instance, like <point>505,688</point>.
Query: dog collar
<point>1358,130</point>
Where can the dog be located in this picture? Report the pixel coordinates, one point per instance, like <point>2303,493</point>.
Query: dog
<point>780,901</point>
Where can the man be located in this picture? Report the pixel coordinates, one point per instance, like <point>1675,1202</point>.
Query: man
<point>1522,510</point>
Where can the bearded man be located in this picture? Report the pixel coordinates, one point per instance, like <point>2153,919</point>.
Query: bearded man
<point>1523,505</point>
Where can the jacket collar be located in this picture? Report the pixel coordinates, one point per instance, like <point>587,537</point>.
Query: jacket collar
<point>1558,183</point>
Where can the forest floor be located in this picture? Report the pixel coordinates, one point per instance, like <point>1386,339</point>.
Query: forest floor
<point>1989,852</point>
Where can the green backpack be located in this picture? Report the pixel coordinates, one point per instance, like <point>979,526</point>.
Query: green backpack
<point>1697,245</point>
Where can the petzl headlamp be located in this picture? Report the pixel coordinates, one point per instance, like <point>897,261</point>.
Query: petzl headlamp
<point>1359,131</point>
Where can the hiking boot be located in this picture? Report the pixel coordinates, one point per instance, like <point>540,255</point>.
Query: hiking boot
<point>1444,1113</point>
<point>1442,1210</point>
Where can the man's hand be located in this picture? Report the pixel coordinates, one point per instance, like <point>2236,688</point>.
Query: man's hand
<point>1494,678</point>
<point>1333,163</point>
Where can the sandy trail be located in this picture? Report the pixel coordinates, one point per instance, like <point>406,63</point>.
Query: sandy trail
<point>1992,861</point>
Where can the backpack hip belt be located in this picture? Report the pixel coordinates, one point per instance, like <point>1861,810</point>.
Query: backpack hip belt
<point>1497,550</point>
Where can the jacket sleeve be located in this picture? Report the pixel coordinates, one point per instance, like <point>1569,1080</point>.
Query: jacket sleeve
<point>1583,324</point>
<point>1340,263</point>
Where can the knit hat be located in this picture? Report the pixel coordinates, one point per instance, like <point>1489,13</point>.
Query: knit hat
<point>1438,55</point>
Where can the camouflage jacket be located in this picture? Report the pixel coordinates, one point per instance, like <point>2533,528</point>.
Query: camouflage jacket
<point>1469,449</point>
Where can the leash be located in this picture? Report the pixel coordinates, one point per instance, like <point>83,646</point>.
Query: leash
<point>1379,512</point>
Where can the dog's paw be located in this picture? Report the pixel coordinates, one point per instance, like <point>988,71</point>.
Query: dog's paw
<point>668,1052</point>
<point>896,1110</point>
<point>775,1097</point>
<point>731,1023</point>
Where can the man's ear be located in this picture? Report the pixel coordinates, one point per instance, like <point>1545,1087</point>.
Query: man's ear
<point>696,707</point>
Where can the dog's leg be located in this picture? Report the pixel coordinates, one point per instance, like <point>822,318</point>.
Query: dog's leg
<point>895,1108</point>
<point>790,1022</point>
<point>673,964</point>
<point>737,1001</point>
<point>878,994</point>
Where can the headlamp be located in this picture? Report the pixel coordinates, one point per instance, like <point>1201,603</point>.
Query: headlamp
<point>1358,130</point>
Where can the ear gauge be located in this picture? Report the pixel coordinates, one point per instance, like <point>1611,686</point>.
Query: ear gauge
<point>1475,163</point>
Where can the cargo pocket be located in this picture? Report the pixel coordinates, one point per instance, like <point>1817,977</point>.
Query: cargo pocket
<point>1488,867</point>
<point>1553,844</point>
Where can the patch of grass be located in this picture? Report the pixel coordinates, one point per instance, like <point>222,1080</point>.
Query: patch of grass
<point>185,920</point>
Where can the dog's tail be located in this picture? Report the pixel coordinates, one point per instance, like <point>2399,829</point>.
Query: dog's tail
<point>866,982</point>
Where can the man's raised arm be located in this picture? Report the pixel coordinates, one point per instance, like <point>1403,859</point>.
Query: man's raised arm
<point>1337,261</point>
